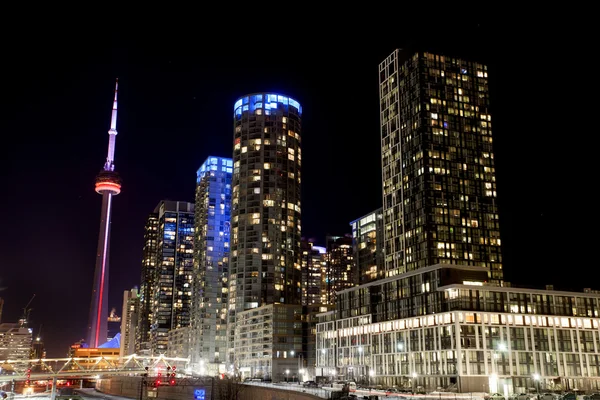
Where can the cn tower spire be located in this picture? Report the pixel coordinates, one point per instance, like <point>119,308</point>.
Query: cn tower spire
<point>112,134</point>
<point>108,184</point>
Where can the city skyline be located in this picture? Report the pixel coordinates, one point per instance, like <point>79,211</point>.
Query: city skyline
<point>174,100</point>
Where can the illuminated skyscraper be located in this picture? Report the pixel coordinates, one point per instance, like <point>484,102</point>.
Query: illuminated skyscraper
<point>108,184</point>
<point>211,265</point>
<point>367,243</point>
<point>439,178</point>
<point>148,279</point>
<point>314,273</point>
<point>341,272</point>
<point>439,317</point>
<point>172,301</point>
<point>265,228</point>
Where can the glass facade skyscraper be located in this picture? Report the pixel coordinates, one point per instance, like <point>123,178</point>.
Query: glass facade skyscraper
<point>142,340</point>
<point>174,271</point>
<point>265,225</point>
<point>211,265</point>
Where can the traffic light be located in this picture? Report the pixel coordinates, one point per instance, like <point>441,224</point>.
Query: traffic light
<point>171,376</point>
<point>28,377</point>
<point>145,375</point>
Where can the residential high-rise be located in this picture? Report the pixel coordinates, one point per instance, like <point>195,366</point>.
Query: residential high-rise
<point>367,244</point>
<point>442,317</point>
<point>148,278</point>
<point>129,321</point>
<point>108,184</point>
<point>265,229</point>
<point>314,273</point>
<point>211,265</point>
<point>172,293</point>
<point>439,178</point>
<point>341,272</point>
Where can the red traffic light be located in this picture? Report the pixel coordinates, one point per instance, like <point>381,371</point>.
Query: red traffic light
<point>172,382</point>
<point>157,382</point>
<point>173,368</point>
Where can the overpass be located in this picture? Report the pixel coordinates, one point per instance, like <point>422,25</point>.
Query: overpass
<point>88,368</point>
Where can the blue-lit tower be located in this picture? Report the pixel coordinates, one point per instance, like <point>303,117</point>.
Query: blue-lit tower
<point>108,184</point>
<point>265,277</point>
<point>211,265</point>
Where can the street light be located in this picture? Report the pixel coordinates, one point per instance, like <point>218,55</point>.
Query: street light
<point>536,378</point>
<point>300,362</point>
<point>287,372</point>
<point>371,374</point>
<point>493,382</point>
<point>358,359</point>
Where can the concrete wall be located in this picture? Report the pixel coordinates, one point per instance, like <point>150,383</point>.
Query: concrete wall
<point>184,390</point>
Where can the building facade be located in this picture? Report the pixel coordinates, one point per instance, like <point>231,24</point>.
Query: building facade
<point>129,321</point>
<point>314,273</point>
<point>367,244</point>
<point>173,282</point>
<point>268,340</point>
<point>211,265</point>
<point>266,210</point>
<point>341,268</point>
<point>147,285</point>
<point>445,326</point>
<point>15,342</point>
<point>439,179</point>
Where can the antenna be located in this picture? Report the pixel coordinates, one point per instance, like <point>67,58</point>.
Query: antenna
<point>112,132</point>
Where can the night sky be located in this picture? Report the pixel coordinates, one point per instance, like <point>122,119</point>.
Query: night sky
<point>176,96</point>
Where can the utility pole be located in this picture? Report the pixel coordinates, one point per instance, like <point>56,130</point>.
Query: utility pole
<point>142,383</point>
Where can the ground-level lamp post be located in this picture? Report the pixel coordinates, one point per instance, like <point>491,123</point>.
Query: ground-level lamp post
<point>536,378</point>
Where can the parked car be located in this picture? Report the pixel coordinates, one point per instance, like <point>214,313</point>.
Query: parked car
<point>549,396</point>
<point>521,396</point>
<point>312,384</point>
<point>593,396</point>
<point>494,396</point>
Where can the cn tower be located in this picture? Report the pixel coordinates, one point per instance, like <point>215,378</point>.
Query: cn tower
<point>108,184</point>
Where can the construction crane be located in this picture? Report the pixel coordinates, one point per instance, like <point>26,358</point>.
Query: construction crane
<point>26,311</point>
